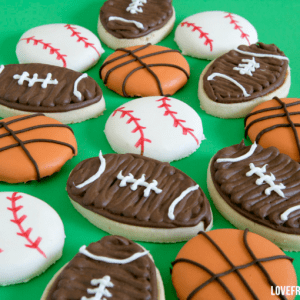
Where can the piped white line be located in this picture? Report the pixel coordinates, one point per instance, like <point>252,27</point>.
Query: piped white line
<point>75,90</point>
<point>284,216</point>
<point>136,23</point>
<point>261,54</point>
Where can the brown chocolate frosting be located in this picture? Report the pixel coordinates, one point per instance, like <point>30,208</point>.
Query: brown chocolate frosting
<point>54,98</point>
<point>269,76</point>
<point>105,197</point>
<point>135,280</point>
<point>155,14</point>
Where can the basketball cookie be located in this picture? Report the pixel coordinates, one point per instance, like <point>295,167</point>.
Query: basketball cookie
<point>139,198</point>
<point>162,128</point>
<point>59,93</point>
<point>33,147</point>
<point>258,188</point>
<point>28,245</point>
<point>125,23</point>
<point>112,268</point>
<point>63,45</point>
<point>147,70</point>
<point>211,34</point>
<point>233,84</point>
<point>232,264</point>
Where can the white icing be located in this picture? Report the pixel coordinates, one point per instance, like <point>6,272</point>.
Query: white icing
<point>101,290</point>
<point>136,23</point>
<point>75,90</point>
<point>261,54</point>
<point>1,68</point>
<point>34,79</point>
<point>178,199</point>
<point>247,68</point>
<point>284,216</point>
<point>134,6</point>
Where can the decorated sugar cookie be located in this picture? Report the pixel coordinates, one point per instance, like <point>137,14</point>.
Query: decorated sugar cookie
<point>31,237</point>
<point>64,45</point>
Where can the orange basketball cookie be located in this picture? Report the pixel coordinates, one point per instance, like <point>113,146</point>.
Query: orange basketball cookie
<point>33,146</point>
<point>147,70</point>
<point>231,264</point>
<point>276,123</point>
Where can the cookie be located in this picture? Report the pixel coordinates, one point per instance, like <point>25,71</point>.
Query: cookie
<point>28,245</point>
<point>139,198</point>
<point>147,70</point>
<point>33,147</point>
<point>211,34</point>
<point>257,188</point>
<point>162,128</point>
<point>59,93</point>
<point>232,264</point>
<point>112,268</point>
<point>233,84</point>
<point>63,45</point>
<point>125,23</point>
<point>275,123</point>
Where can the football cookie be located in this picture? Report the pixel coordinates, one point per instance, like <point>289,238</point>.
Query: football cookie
<point>112,268</point>
<point>232,264</point>
<point>233,84</point>
<point>28,245</point>
<point>211,34</point>
<point>33,147</point>
<point>125,23</point>
<point>147,70</point>
<point>139,198</point>
<point>258,188</point>
<point>162,128</point>
<point>63,45</point>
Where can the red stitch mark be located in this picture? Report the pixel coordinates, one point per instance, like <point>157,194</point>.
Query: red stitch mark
<point>81,38</point>
<point>1,250</point>
<point>202,33</point>
<point>185,130</point>
<point>142,140</point>
<point>18,221</point>
<point>238,27</point>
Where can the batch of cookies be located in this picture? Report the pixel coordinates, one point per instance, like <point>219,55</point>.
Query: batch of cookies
<point>135,194</point>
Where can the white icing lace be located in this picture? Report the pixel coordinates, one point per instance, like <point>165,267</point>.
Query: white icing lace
<point>284,216</point>
<point>136,23</point>
<point>34,79</point>
<point>75,90</point>
<point>101,290</point>
<point>261,54</point>
<point>247,68</point>
<point>134,6</point>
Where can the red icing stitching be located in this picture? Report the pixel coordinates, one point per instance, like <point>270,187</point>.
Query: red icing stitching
<point>142,140</point>
<point>185,130</point>
<point>81,38</point>
<point>1,250</point>
<point>202,33</point>
<point>237,27</point>
<point>18,221</point>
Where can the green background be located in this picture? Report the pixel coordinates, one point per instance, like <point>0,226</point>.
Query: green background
<point>276,22</point>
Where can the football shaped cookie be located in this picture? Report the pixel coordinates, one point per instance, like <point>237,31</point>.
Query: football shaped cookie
<point>233,84</point>
<point>139,198</point>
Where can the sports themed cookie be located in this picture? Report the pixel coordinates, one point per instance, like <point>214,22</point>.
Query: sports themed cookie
<point>257,188</point>
<point>112,268</point>
<point>232,264</point>
<point>211,34</point>
<point>139,198</point>
<point>60,93</point>
<point>162,128</point>
<point>147,70</point>
<point>233,84</point>
<point>275,123</point>
<point>33,147</point>
<point>28,245</point>
<point>63,45</point>
<point>125,23</point>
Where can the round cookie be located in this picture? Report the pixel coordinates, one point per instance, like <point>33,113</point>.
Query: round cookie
<point>28,245</point>
<point>33,147</point>
<point>211,34</point>
<point>232,264</point>
<point>125,23</point>
<point>64,45</point>
<point>147,70</point>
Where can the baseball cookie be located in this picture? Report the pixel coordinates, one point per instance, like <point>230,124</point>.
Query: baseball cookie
<point>112,268</point>
<point>139,198</point>
<point>147,70</point>
<point>59,93</point>
<point>125,23</point>
<point>162,128</point>
<point>232,264</point>
<point>258,188</point>
<point>28,245</point>
<point>33,147</point>
<point>233,84</point>
<point>63,45</point>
